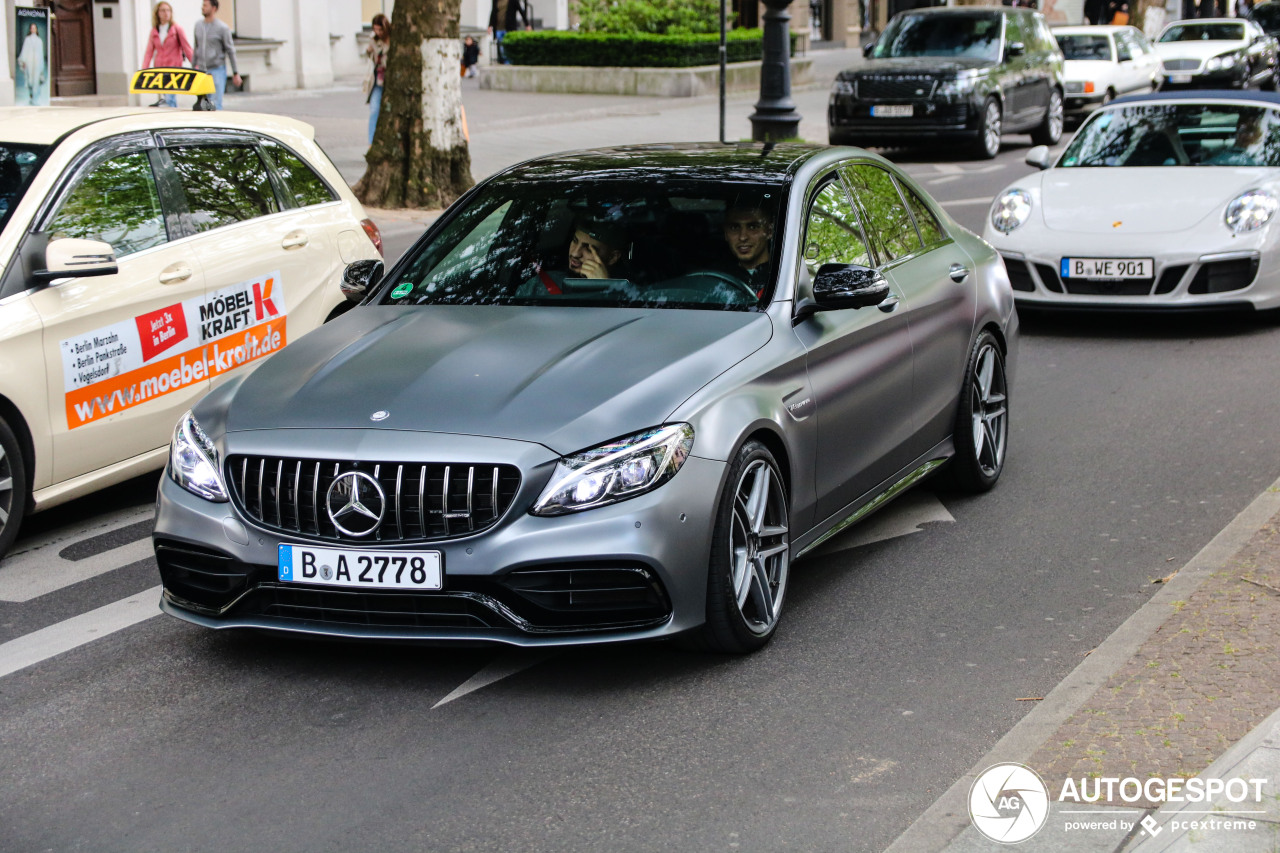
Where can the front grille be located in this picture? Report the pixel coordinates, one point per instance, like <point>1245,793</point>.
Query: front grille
<point>1222,276</point>
<point>897,87</point>
<point>1170,277</point>
<point>1108,287</point>
<point>1181,64</point>
<point>422,501</point>
<point>1049,277</point>
<point>1019,276</point>
<point>380,609</point>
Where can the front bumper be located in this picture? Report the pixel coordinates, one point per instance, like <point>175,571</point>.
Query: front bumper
<point>1079,103</point>
<point>851,121</point>
<point>1230,78</point>
<point>636,570</point>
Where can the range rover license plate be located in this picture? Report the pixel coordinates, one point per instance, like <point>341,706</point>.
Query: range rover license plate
<point>893,111</point>
<point>368,569</point>
<point>1107,268</point>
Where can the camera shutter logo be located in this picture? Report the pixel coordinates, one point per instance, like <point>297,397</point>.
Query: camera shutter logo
<point>1009,803</point>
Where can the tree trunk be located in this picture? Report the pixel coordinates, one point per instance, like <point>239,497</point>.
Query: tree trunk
<point>419,156</point>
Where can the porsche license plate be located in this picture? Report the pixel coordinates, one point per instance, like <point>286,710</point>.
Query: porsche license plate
<point>1112,268</point>
<point>893,111</point>
<point>353,567</point>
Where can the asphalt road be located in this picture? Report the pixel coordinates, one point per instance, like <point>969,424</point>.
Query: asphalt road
<point>899,663</point>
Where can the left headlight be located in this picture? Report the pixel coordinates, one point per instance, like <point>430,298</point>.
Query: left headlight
<point>193,461</point>
<point>842,87</point>
<point>1011,210</point>
<point>1250,210</point>
<point>613,472</point>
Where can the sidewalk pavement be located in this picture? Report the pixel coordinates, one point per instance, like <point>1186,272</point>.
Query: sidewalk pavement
<point>1188,685</point>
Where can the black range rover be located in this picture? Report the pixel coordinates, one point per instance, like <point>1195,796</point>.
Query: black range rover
<point>967,73</point>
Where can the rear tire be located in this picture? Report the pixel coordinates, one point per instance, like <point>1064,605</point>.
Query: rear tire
<point>1050,130</point>
<point>982,424</point>
<point>13,487</point>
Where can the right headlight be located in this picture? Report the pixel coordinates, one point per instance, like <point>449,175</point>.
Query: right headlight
<point>842,87</point>
<point>1250,210</point>
<point>613,472</point>
<point>1011,209</point>
<point>193,461</point>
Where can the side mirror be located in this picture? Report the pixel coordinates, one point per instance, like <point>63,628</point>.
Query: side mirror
<point>867,48</point>
<point>1039,157</point>
<point>70,257</point>
<point>1015,48</point>
<point>840,286</point>
<point>359,278</point>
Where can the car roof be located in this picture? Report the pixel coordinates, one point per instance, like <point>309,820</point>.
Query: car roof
<point>1271,99</point>
<point>1088,29</point>
<point>747,162</point>
<point>46,125</point>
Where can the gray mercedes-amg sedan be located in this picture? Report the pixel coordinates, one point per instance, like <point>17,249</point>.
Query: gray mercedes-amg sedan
<point>609,395</point>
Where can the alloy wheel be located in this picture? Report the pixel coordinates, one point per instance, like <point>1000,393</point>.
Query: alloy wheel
<point>6,489</point>
<point>991,129</point>
<point>990,412</point>
<point>1055,116</point>
<point>759,547</point>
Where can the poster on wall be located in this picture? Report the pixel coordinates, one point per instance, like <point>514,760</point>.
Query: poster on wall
<point>31,71</point>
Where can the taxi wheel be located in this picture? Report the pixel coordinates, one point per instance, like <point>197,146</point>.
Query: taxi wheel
<point>13,487</point>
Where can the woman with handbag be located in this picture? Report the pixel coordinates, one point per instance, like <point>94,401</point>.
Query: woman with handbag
<point>377,53</point>
<point>167,46</point>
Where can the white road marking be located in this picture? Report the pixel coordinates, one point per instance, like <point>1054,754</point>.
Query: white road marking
<point>506,664</point>
<point>64,536</point>
<point>945,179</point>
<point>40,572</point>
<point>956,202</point>
<point>901,518</point>
<point>64,636</point>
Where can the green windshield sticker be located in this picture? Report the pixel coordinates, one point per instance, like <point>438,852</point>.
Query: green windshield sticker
<point>402,290</point>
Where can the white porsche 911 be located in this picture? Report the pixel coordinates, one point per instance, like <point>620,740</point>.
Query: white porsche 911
<point>1160,201</point>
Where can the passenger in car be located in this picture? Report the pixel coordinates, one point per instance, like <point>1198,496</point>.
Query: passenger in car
<point>1243,150</point>
<point>748,231</point>
<point>595,250</point>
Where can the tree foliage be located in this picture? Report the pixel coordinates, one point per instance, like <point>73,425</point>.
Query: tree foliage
<point>662,17</point>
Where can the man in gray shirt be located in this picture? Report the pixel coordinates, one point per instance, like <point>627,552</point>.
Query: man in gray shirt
<point>213,48</point>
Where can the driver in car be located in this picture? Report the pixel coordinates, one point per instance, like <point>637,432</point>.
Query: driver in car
<point>595,251</point>
<point>1243,150</point>
<point>748,230</point>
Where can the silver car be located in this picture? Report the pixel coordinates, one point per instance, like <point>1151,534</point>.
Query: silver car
<point>610,395</point>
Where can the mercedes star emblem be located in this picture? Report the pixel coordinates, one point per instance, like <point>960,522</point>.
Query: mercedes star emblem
<point>380,415</point>
<point>355,503</point>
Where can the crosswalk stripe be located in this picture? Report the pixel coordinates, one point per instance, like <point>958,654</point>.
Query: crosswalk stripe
<point>41,572</point>
<point>64,636</point>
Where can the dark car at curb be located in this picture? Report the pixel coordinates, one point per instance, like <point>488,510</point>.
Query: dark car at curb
<point>956,74</point>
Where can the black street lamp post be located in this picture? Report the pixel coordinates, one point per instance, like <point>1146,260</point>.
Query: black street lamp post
<point>775,117</point>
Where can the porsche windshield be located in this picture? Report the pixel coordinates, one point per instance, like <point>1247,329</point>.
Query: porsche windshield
<point>17,164</point>
<point>1177,134</point>
<point>971,36</point>
<point>626,244</point>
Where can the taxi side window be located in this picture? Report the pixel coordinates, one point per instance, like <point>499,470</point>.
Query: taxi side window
<point>887,218</point>
<point>223,185</point>
<point>303,183</point>
<point>116,203</point>
<point>833,232</point>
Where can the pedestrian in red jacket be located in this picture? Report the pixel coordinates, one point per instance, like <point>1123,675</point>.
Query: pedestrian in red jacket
<point>167,45</point>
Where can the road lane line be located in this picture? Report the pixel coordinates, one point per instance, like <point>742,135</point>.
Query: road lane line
<point>64,636</point>
<point>956,202</point>
<point>38,573</point>
<point>80,531</point>
<point>507,664</point>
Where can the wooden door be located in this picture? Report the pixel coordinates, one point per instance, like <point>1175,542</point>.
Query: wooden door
<point>74,72</point>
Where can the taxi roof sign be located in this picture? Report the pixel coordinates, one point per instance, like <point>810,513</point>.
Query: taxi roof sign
<point>171,81</point>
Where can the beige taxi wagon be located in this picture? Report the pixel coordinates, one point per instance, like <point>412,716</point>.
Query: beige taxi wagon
<point>146,256</point>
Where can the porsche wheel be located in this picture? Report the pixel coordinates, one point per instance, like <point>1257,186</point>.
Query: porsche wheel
<point>982,424</point>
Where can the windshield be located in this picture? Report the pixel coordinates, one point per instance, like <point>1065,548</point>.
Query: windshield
<point>701,245</point>
<point>1178,135</point>
<point>972,36</point>
<point>1085,47</point>
<point>17,164</point>
<point>1203,32</point>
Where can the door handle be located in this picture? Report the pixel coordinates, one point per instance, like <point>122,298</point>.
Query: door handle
<point>958,273</point>
<point>175,274</point>
<point>888,304</point>
<point>294,240</point>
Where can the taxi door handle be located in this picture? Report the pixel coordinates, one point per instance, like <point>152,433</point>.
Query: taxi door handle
<point>175,274</point>
<point>958,273</point>
<point>294,240</point>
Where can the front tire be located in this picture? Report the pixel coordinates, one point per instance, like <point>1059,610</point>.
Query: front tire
<point>982,424</point>
<point>13,487</point>
<point>750,555</point>
<point>1050,130</point>
<point>988,142</point>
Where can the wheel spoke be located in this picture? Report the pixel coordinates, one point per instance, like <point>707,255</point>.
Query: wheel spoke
<point>759,501</point>
<point>6,484</point>
<point>4,516</point>
<point>994,414</point>
<point>994,397</point>
<point>992,446</point>
<point>979,431</point>
<point>761,592</point>
<point>741,575</point>
<point>772,530</point>
<point>766,553</point>
<point>986,368</point>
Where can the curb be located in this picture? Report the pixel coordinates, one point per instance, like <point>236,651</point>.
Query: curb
<point>939,825</point>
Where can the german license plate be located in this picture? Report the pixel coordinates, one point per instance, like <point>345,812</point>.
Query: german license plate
<point>893,111</point>
<point>352,567</point>
<point>1179,78</point>
<point>1112,268</point>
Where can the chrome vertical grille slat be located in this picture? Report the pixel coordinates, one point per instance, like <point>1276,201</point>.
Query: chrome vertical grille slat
<point>441,507</point>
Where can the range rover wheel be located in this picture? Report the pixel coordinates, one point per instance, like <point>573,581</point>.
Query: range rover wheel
<point>750,555</point>
<point>1050,130</point>
<point>982,424</point>
<point>988,142</point>
<point>13,487</point>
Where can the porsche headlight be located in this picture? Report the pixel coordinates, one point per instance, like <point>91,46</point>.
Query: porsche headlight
<point>193,461</point>
<point>1011,210</point>
<point>1250,210</point>
<point>616,471</point>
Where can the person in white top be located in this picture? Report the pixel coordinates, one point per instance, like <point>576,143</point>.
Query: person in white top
<point>31,61</point>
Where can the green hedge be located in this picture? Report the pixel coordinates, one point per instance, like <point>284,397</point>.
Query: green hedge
<point>641,50</point>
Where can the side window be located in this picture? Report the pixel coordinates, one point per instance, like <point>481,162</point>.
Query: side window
<point>1013,32</point>
<point>1044,37</point>
<point>1124,50</point>
<point>116,203</point>
<point>304,184</point>
<point>928,225</point>
<point>223,184</point>
<point>887,219</point>
<point>833,233</point>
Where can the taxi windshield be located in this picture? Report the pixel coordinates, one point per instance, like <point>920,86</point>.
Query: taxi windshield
<point>17,164</point>
<point>1178,135</point>
<point>704,245</point>
<point>972,36</point>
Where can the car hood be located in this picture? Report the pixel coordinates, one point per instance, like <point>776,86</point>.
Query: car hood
<point>1195,49</point>
<point>567,378</point>
<point>935,65</point>
<point>1091,200</point>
